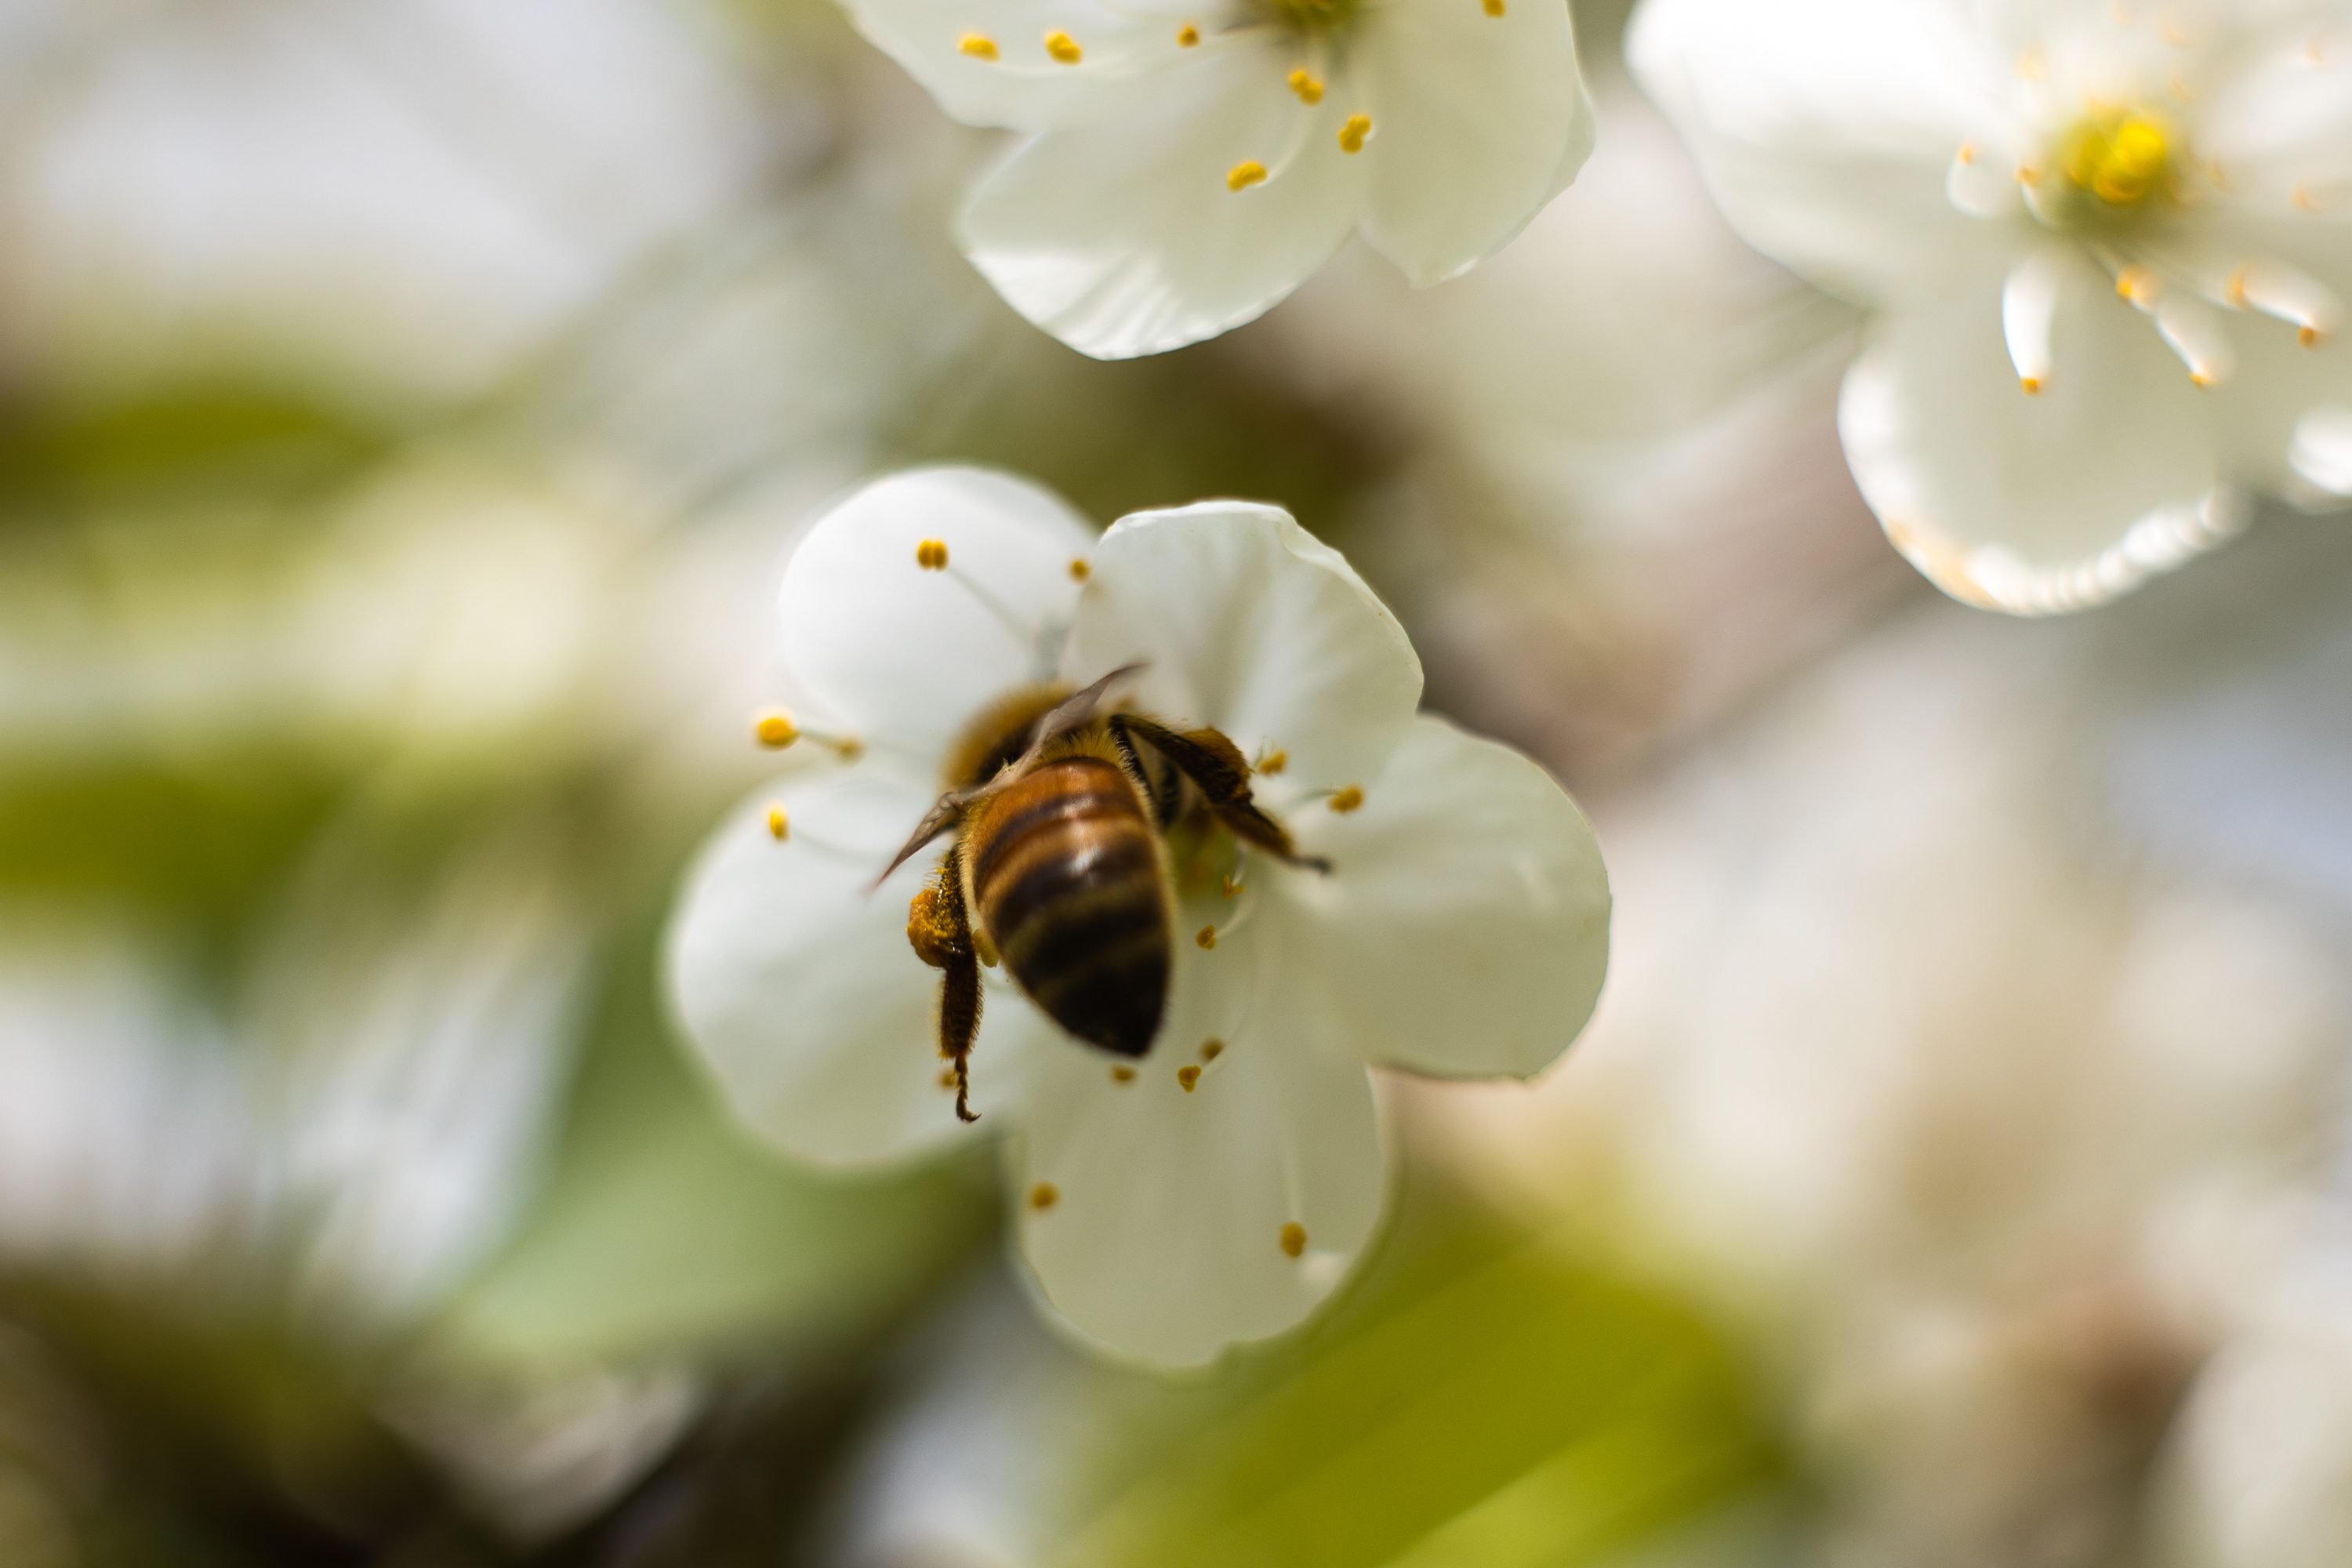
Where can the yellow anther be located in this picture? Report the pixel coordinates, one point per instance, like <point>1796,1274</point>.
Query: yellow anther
<point>978,45</point>
<point>1212,1049</point>
<point>1188,37</point>
<point>1207,938</point>
<point>2234,291</point>
<point>1275,763</point>
<point>1967,151</point>
<point>1346,800</point>
<point>1122,1073</point>
<point>1064,47</point>
<point>2203,381</point>
<point>776,731</point>
<point>849,748</point>
<point>779,826</point>
<point>931,554</point>
<point>1293,1240</point>
<point>2140,285</point>
<point>1493,7</point>
<point>1303,83</point>
<point>2032,385</point>
<point>1246,173</point>
<point>2310,337</point>
<point>2121,159</point>
<point>1044,1195</point>
<point>1352,135</point>
<point>1190,1077</point>
<point>1232,888</point>
<point>1080,571</point>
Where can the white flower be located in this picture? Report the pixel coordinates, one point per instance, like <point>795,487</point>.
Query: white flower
<point>1217,1189</point>
<point>1190,162</point>
<point>2107,241</point>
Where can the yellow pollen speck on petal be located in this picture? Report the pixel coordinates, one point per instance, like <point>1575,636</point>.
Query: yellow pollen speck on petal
<point>1275,763</point>
<point>1293,1240</point>
<point>1190,1077</point>
<point>1122,1073</point>
<point>931,554</point>
<point>1303,83</point>
<point>1346,800</point>
<point>978,45</point>
<point>1212,1049</point>
<point>776,731</point>
<point>1188,37</point>
<point>1080,571</point>
<point>1044,1195</point>
<point>779,826</point>
<point>1064,47</point>
<point>1207,938</point>
<point>1352,135</point>
<point>1246,173</point>
<point>2031,385</point>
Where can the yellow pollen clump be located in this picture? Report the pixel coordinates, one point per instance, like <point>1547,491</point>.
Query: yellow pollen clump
<point>1293,1240</point>
<point>1122,1074</point>
<point>780,826</point>
<point>1246,173</point>
<point>978,45</point>
<point>1210,1050</point>
<point>1080,571</point>
<point>1346,800</point>
<point>776,731</point>
<point>1064,47</point>
<point>1352,135</point>
<point>1044,1195</point>
<point>1188,36</point>
<point>1190,1077</point>
<point>1207,938</point>
<point>931,554</point>
<point>2121,160</point>
<point>1303,83</point>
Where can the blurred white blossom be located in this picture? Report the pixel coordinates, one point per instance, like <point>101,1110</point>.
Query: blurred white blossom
<point>1189,166</point>
<point>2105,246</point>
<point>1219,1189</point>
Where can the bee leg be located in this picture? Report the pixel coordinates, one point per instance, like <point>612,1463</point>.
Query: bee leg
<point>940,930</point>
<point>1217,769</point>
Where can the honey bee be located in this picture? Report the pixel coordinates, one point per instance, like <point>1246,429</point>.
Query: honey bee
<point>1061,808</point>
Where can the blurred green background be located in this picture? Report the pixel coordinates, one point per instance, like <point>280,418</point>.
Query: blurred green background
<point>404,411</point>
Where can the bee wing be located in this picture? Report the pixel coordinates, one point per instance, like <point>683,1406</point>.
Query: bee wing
<point>936,821</point>
<point>1071,712</point>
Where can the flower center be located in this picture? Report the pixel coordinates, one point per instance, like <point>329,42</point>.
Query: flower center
<point>2119,160</point>
<point>1317,15</point>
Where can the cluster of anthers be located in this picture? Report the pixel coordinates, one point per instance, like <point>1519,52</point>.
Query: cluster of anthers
<point>1317,28</point>
<point>2125,182</point>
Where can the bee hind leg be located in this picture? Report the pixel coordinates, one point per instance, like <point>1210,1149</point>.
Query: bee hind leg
<point>940,930</point>
<point>1218,771</point>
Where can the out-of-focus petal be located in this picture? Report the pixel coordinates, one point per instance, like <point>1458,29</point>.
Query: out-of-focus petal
<point>1479,120</point>
<point>906,655</point>
<point>1144,234</point>
<point>2034,504</point>
<point>1246,622</point>
<point>988,62</point>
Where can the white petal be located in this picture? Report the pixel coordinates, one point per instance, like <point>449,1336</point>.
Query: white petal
<point>2274,417</point>
<point>904,655</point>
<point>2034,504</point>
<point>1479,120</point>
<point>1125,239</point>
<point>794,981</point>
<point>2029,312</point>
<point>2322,451</point>
<point>1024,87</point>
<point>1165,1238</point>
<point>1246,622</point>
<point>1463,931</point>
<point>1827,131</point>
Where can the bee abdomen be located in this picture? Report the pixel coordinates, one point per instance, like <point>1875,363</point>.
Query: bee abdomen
<point>1067,882</point>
